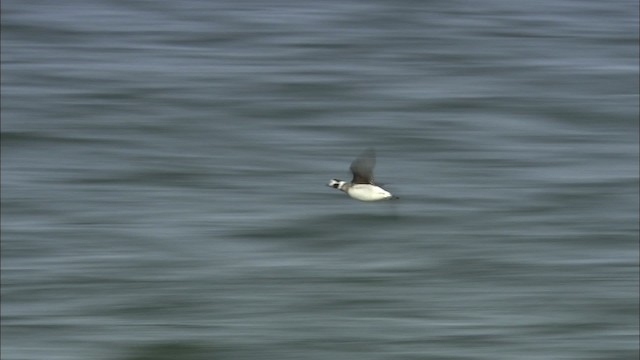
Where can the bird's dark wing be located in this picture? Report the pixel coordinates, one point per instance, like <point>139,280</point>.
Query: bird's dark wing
<point>362,167</point>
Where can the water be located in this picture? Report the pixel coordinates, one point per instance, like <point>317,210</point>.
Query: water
<point>164,168</point>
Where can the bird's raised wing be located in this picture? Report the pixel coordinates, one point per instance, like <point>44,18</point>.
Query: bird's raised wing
<point>362,167</point>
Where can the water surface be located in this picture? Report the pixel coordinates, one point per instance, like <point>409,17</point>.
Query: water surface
<point>164,169</point>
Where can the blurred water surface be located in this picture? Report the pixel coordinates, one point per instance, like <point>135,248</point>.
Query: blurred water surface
<point>164,168</point>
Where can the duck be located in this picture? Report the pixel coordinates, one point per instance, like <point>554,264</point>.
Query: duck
<point>362,187</point>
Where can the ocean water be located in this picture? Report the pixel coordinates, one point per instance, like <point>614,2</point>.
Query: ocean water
<point>164,168</point>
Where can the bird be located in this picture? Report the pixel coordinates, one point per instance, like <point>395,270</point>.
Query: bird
<point>362,186</point>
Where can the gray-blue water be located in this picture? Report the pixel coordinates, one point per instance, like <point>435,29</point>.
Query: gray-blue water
<point>164,168</point>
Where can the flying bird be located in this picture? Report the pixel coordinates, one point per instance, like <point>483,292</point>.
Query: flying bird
<point>362,186</point>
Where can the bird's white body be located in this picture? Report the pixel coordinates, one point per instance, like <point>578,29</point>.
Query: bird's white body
<point>366,192</point>
<point>362,192</point>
